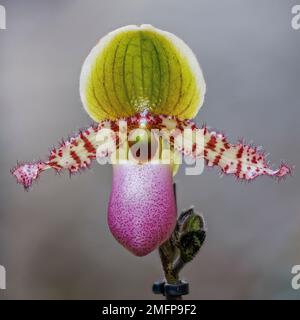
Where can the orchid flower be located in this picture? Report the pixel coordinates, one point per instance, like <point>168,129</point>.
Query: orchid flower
<point>140,77</point>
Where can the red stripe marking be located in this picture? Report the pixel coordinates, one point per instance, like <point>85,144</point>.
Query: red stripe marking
<point>226,144</point>
<point>75,156</point>
<point>194,147</point>
<point>114,126</point>
<point>217,160</point>
<point>52,157</point>
<point>238,168</point>
<point>87,145</point>
<point>54,164</point>
<point>211,144</point>
<point>240,152</point>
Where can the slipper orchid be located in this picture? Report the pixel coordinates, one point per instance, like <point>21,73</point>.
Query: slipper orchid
<point>142,78</point>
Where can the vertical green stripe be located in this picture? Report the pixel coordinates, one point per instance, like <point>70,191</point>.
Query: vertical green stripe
<point>141,69</point>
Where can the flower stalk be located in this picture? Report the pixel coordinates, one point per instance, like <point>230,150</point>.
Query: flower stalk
<point>181,248</point>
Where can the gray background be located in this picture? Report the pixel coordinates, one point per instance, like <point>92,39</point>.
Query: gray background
<point>54,240</point>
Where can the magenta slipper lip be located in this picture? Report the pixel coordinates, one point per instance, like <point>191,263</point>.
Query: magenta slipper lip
<point>142,207</point>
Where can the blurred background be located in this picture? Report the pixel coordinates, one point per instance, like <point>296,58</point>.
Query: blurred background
<point>54,240</point>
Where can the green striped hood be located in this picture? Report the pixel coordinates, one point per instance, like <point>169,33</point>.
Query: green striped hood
<point>138,68</point>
